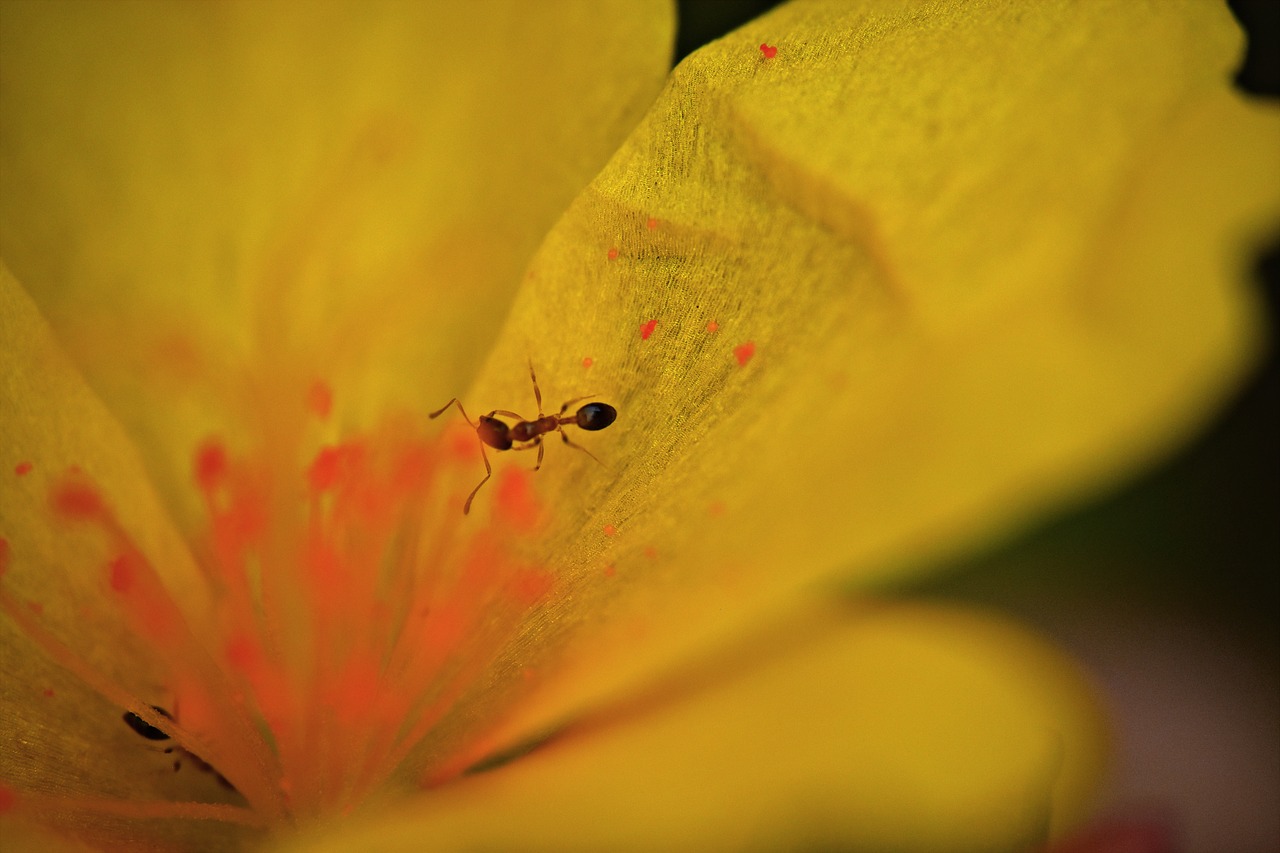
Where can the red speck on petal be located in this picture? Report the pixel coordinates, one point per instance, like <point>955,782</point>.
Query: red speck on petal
<point>769,51</point>
<point>211,465</point>
<point>713,327</point>
<point>22,469</point>
<point>651,552</point>
<point>7,799</point>
<point>744,352</point>
<point>652,224</point>
<point>610,571</point>
<point>47,693</point>
<point>647,329</point>
<point>77,500</point>
<point>320,399</point>
<point>613,254</point>
<point>122,574</point>
<point>587,362</point>
<point>610,530</point>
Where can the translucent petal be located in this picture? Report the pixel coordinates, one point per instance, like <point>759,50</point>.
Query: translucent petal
<point>904,728</point>
<point>207,198</point>
<point>924,273</point>
<point>64,734</point>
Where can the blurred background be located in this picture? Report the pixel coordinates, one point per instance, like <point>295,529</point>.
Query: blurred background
<point>1168,590</point>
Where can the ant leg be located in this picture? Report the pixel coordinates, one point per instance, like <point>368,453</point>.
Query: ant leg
<point>537,393</point>
<point>566,406</point>
<point>565,436</point>
<point>488,472</point>
<point>537,442</point>
<point>453,402</point>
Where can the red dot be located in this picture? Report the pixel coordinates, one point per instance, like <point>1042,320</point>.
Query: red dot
<point>651,552</point>
<point>22,469</point>
<point>769,51</point>
<point>613,254</point>
<point>713,326</point>
<point>47,693</point>
<point>320,399</point>
<point>744,352</point>
<point>211,465</point>
<point>610,530</point>
<point>77,500</point>
<point>610,571</point>
<point>652,224</point>
<point>121,574</point>
<point>647,329</point>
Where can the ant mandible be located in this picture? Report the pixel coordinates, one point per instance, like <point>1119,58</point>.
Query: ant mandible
<point>526,434</point>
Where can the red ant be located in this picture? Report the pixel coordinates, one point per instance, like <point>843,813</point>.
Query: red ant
<point>525,434</point>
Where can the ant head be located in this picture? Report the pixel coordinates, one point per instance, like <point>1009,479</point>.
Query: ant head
<point>494,433</point>
<point>595,416</point>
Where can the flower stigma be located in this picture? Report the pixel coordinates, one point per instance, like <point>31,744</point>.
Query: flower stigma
<point>347,608</point>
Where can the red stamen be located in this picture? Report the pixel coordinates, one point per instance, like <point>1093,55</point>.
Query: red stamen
<point>515,499</point>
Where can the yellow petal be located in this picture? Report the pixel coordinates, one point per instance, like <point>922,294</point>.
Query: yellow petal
<point>905,728</point>
<point>64,737</point>
<point>190,190</point>
<point>987,257</point>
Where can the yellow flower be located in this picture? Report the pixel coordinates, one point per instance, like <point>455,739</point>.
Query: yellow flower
<point>867,284</point>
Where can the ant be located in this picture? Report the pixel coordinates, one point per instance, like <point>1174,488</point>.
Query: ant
<point>526,434</point>
<point>150,732</point>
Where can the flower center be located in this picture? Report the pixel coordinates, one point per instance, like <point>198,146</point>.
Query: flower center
<point>348,606</point>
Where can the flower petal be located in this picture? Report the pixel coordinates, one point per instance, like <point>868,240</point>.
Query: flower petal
<point>64,736</point>
<point>201,189</point>
<point>923,273</point>
<point>907,728</point>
